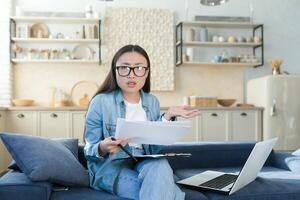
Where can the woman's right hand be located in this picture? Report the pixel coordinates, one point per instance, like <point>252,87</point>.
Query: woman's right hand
<point>109,146</point>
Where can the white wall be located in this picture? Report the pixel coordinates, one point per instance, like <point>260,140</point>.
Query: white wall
<point>281,34</point>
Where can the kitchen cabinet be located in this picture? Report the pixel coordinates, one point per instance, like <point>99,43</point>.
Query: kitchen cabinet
<point>4,158</point>
<point>24,122</point>
<point>77,121</point>
<point>214,125</point>
<point>54,124</point>
<point>246,125</point>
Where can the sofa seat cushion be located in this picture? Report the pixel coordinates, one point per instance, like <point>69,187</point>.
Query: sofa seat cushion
<point>272,183</point>
<point>16,185</point>
<point>80,193</point>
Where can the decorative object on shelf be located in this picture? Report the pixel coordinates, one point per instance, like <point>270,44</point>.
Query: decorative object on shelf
<point>23,102</point>
<point>231,39</point>
<point>224,57</point>
<point>203,101</point>
<point>203,34</point>
<point>22,31</point>
<point>221,39</point>
<point>257,39</point>
<point>61,98</point>
<point>82,52</point>
<point>39,30</point>
<point>190,53</point>
<point>83,90</point>
<point>191,34</point>
<point>241,39</point>
<point>249,39</point>
<point>213,2</point>
<point>226,102</point>
<point>89,11</point>
<point>59,36</point>
<point>84,101</point>
<point>275,64</point>
<point>215,38</point>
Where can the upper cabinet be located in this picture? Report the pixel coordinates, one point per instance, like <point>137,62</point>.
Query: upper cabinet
<point>55,40</point>
<point>219,44</point>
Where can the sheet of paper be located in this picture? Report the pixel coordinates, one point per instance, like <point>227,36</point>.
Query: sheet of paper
<point>147,132</point>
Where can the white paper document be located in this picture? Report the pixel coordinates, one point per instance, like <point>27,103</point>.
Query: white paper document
<point>152,132</point>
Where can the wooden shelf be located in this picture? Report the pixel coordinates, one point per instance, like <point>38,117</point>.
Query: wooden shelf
<point>217,24</point>
<point>218,44</point>
<point>63,20</point>
<point>47,40</point>
<point>18,61</point>
<point>219,64</point>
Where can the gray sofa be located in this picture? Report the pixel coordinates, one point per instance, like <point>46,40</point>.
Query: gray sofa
<point>277,180</point>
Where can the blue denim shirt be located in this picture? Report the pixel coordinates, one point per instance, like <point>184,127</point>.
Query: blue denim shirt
<point>100,123</point>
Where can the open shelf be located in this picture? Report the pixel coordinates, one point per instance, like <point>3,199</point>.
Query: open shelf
<point>219,24</point>
<point>63,20</point>
<point>220,64</point>
<point>19,61</point>
<point>218,44</point>
<point>43,40</point>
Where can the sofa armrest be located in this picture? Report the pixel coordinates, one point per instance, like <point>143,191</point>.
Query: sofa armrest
<point>16,185</point>
<point>287,161</point>
<point>209,154</point>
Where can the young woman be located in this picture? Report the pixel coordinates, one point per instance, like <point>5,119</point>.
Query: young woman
<point>125,94</point>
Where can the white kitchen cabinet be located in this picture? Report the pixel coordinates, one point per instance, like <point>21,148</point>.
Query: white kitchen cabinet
<point>24,122</point>
<point>213,125</point>
<point>4,158</point>
<point>54,124</point>
<point>246,125</point>
<point>191,136</point>
<point>77,125</point>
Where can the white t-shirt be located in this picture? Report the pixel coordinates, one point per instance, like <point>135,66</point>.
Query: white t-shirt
<point>135,112</point>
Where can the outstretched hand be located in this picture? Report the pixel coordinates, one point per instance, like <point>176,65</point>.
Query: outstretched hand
<point>185,111</point>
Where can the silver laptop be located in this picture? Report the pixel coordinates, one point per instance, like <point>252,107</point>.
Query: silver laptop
<point>228,183</point>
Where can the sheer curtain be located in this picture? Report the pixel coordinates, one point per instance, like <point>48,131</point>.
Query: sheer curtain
<point>6,70</point>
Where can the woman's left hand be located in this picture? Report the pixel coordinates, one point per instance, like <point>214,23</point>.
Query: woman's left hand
<point>181,111</point>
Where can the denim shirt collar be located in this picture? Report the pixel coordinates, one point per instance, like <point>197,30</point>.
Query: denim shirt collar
<point>120,99</point>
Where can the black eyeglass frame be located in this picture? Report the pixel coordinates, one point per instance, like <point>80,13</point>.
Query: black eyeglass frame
<point>132,69</point>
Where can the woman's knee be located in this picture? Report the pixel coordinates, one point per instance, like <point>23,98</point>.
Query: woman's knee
<point>158,165</point>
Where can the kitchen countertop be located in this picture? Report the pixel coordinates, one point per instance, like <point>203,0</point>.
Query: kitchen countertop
<point>78,108</point>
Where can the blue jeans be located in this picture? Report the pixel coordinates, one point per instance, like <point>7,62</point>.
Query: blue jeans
<point>151,179</point>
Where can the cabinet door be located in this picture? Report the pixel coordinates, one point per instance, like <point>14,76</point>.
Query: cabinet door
<point>54,124</point>
<point>77,125</point>
<point>24,122</point>
<point>2,121</point>
<point>192,136</point>
<point>245,125</point>
<point>4,158</point>
<point>214,125</point>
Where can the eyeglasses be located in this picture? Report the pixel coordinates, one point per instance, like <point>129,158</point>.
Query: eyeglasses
<point>137,71</point>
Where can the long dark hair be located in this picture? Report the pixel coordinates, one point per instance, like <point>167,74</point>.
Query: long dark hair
<point>110,82</point>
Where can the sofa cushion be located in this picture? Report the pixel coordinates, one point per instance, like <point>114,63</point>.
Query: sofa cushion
<point>75,193</point>
<point>16,185</point>
<point>43,159</point>
<point>71,144</point>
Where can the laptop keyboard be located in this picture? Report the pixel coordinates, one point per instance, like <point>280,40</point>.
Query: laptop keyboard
<point>220,181</point>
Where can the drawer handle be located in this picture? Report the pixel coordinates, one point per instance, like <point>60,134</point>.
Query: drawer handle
<point>0,115</point>
<point>20,115</point>
<point>244,114</point>
<point>53,115</point>
<point>214,114</point>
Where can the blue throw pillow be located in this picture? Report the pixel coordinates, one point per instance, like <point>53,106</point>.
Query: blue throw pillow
<point>43,159</point>
<point>71,144</point>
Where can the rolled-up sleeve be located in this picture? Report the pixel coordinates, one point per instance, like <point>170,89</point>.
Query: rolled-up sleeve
<point>93,130</point>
